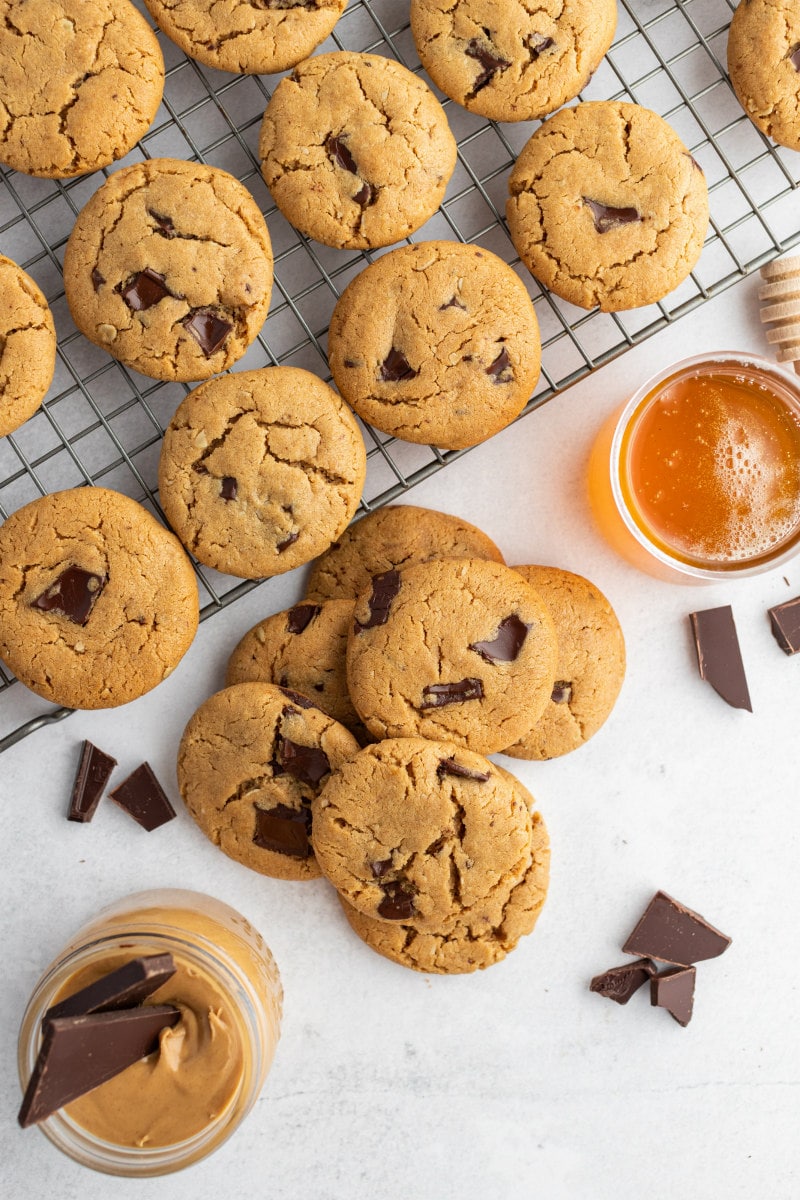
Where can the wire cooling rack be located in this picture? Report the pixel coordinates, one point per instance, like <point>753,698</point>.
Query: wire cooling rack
<point>103,424</point>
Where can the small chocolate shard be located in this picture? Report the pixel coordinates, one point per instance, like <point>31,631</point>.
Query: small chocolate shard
<point>669,932</point>
<point>349,362</point>
<point>142,796</point>
<point>505,647</point>
<point>674,991</point>
<point>454,302</point>
<point>562,691</point>
<point>123,988</point>
<point>284,830</point>
<point>299,699</point>
<point>300,617</point>
<point>79,1053</point>
<point>491,63</point>
<point>144,290</point>
<point>208,329</point>
<point>166,226</point>
<point>338,153</point>
<point>365,195</point>
<point>229,487</point>
<point>437,695</point>
<point>73,595</point>
<point>719,658</point>
<point>620,983</point>
<point>288,541</point>
<point>537,43</point>
<point>306,764</point>
<point>785,620</point>
<point>94,771</point>
<point>694,162</point>
<point>794,57</point>
<point>380,867</point>
<point>449,766</point>
<point>384,589</point>
<point>97,279</point>
<point>396,368</point>
<point>398,901</point>
<point>501,369</point>
<point>606,218</point>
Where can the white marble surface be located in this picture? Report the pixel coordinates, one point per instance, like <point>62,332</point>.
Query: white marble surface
<point>515,1082</point>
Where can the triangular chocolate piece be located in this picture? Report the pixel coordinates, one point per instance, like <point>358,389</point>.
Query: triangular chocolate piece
<point>94,771</point>
<point>620,983</point>
<point>143,797</point>
<point>670,932</point>
<point>674,991</point>
<point>123,988</point>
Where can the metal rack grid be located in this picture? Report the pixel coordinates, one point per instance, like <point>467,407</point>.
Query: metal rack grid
<point>102,423</point>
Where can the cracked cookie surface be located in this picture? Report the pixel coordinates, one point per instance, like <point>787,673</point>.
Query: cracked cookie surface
<point>607,207</point>
<point>422,832</point>
<point>590,668</point>
<point>250,762</point>
<point>261,470</point>
<point>80,83</point>
<point>247,36</point>
<point>398,535</point>
<point>27,346</point>
<point>98,602</point>
<point>764,66</point>
<point>356,150</point>
<point>436,343</point>
<point>515,61</point>
<point>462,650</point>
<point>169,269</point>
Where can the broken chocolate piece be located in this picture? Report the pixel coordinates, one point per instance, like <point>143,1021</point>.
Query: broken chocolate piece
<point>380,867</point>
<point>127,986</point>
<point>501,368</point>
<point>785,619</point>
<point>143,797</point>
<point>79,1053</point>
<point>73,595</point>
<point>436,695</point>
<point>229,487</point>
<point>537,43</point>
<point>562,692</point>
<point>449,766</point>
<point>288,541</point>
<point>794,57</point>
<point>97,279</point>
<point>307,764</point>
<point>620,983</point>
<point>166,226</point>
<point>384,589</point>
<point>674,991</point>
<point>144,290</point>
<point>208,330</point>
<point>396,368</point>
<point>670,932</point>
<point>301,616</point>
<point>300,700</point>
<point>365,195</point>
<point>284,830</point>
<point>505,647</point>
<point>491,63</point>
<point>337,151</point>
<point>719,658</point>
<point>398,901</point>
<point>606,218</point>
<point>94,772</point>
<point>453,303</point>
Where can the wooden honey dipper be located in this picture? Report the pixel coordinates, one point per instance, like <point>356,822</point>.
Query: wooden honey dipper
<point>780,308</point>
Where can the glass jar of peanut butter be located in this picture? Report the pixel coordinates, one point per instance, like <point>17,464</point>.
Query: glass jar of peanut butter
<point>180,1102</point>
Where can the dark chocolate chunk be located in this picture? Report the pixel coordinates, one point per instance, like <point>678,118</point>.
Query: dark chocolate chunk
<point>365,195</point>
<point>349,362</point>
<point>229,487</point>
<point>288,541</point>
<point>79,1053</point>
<point>620,983</point>
<point>396,368</point>
<point>166,226</point>
<point>670,932</point>
<point>501,368</point>
<point>605,217</point>
<point>537,43</point>
<point>144,290</point>
<point>94,772</point>
<point>785,619</point>
<point>73,595</point>
<point>380,867</point>
<point>562,692</point>
<point>674,991</point>
<point>337,151</point>
<point>491,63</point>
<point>449,766</point>
<point>123,988</point>
<point>300,617</point>
<point>384,589</point>
<point>505,647</point>
<point>307,764</point>
<point>143,797</point>
<point>794,57</point>
<point>719,658</point>
<point>208,329</point>
<point>453,303</point>
<point>284,830</point>
<point>300,700</point>
<point>97,279</point>
<point>398,901</point>
<point>436,695</point>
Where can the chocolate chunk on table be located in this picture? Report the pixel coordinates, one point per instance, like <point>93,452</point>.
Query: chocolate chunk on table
<point>620,983</point>
<point>674,991</point>
<point>94,771</point>
<point>127,986</point>
<point>669,932</point>
<point>719,658</point>
<point>143,797</point>
<point>785,619</point>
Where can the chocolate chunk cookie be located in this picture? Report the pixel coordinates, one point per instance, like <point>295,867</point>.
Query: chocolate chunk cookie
<point>98,602</point>
<point>80,83</point>
<point>451,353</point>
<point>251,760</point>
<point>462,650</point>
<point>764,66</point>
<point>169,269</point>
<point>356,150</point>
<point>261,470</point>
<point>27,346</point>
<point>422,832</point>
<point>512,61</point>
<point>399,535</point>
<point>607,206</point>
<point>590,669</point>
<point>247,36</point>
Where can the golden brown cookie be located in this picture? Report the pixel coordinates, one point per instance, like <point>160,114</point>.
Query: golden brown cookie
<point>98,602</point>
<point>437,342</point>
<point>356,150</point>
<point>169,269</point>
<point>251,760</point>
<point>590,668</point>
<point>764,66</point>
<point>607,207</point>
<point>27,346</point>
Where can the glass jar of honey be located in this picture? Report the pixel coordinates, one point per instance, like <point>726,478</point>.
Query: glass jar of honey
<point>698,477</point>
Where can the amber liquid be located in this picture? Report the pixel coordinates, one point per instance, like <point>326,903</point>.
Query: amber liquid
<point>710,466</point>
